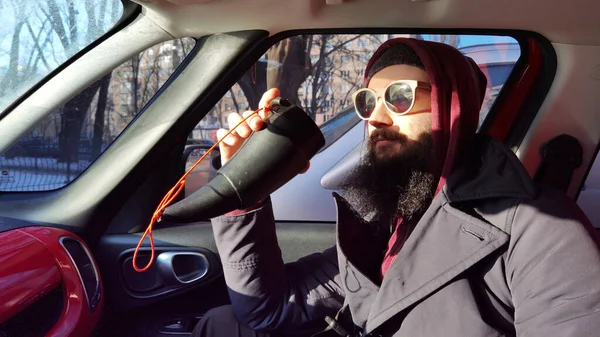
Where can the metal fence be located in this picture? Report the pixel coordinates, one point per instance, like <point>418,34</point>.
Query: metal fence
<point>34,165</point>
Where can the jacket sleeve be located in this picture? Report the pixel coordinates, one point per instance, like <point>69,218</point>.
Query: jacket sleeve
<point>553,270</point>
<point>267,294</point>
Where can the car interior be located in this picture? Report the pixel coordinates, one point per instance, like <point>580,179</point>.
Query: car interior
<point>104,107</point>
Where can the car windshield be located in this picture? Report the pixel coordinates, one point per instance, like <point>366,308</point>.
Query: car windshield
<point>37,36</point>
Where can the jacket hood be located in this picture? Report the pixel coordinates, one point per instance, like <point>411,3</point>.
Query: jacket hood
<point>457,91</point>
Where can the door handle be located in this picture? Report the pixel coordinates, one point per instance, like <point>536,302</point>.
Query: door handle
<point>182,268</point>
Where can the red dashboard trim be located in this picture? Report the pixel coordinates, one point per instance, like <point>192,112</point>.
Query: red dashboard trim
<point>27,272</point>
<point>77,318</point>
<point>34,262</point>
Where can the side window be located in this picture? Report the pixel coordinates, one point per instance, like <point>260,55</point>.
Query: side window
<point>320,73</point>
<point>589,198</point>
<point>69,139</point>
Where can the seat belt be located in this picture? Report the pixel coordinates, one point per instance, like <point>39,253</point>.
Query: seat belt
<point>560,157</point>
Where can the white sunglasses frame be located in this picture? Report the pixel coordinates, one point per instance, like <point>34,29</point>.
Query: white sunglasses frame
<point>413,84</point>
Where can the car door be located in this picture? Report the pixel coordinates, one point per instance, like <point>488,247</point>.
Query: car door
<point>102,194</point>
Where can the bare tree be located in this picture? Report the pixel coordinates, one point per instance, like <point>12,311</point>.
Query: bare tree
<point>65,24</point>
<point>12,73</point>
<point>320,76</point>
<point>301,63</point>
<point>150,80</point>
<point>73,112</point>
<point>135,74</point>
<point>337,72</point>
<point>254,83</point>
<point>290,66</point>
<point>235,102</point>
<point>286,67</point>
<point>39,48</point>
<point>99,118</point>
<point>134,83</point>
<point>11,78</point>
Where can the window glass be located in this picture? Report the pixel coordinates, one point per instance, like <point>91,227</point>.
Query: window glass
<point>589,198</point>
<point>320,73</point>
<point>36,36</point>
<point>69,139</point>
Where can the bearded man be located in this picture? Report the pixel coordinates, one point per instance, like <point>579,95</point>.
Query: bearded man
<point>441,231</point>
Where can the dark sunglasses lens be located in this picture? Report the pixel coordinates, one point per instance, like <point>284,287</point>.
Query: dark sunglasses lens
<point>365,102</point>
<point>399,97</point>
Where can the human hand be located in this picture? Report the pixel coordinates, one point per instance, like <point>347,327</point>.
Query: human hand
<point>232,142</point>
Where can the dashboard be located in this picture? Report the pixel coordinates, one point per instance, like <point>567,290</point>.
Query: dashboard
<point>49,283</point>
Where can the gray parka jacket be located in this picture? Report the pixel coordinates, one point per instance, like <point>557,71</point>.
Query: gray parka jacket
<point>493,255</point>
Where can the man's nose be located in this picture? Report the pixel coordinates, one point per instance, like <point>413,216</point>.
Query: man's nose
<point>380,116</point>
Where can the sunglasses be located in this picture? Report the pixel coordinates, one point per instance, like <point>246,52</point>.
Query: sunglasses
<point>399,98</point>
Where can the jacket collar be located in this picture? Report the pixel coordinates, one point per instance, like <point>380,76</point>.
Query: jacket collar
<point>490,171</point>
<point>445,242</point>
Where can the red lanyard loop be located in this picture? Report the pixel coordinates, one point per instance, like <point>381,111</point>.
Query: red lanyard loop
<point>173,193</point>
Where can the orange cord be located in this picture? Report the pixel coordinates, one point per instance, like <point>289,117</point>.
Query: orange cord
<point>173,193</point>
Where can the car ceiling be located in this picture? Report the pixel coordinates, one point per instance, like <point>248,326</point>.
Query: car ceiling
<point>572,22</point>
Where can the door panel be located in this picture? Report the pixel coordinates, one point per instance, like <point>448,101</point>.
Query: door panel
<point>128,289</point>
<point>157,304</point>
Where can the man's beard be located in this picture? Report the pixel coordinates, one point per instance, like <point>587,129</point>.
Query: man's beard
<point>387,185</point>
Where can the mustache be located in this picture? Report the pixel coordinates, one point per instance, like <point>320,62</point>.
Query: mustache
<point>385,134</point>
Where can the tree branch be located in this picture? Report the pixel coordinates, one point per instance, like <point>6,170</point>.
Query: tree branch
<point>37,46</point>
<point>57,24</point>
<point>92,23</point>
<point>341,45</point>
<point>234,100</point>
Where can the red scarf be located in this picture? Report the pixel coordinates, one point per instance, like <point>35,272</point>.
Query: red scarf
<point>457,92</point>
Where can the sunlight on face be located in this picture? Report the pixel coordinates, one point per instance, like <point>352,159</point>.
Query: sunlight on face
<point>413,125</point>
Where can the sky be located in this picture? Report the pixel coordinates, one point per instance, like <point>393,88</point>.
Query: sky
<point>470,40</point>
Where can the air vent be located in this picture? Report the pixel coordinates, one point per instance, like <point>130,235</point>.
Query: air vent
<point>85,268</point>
